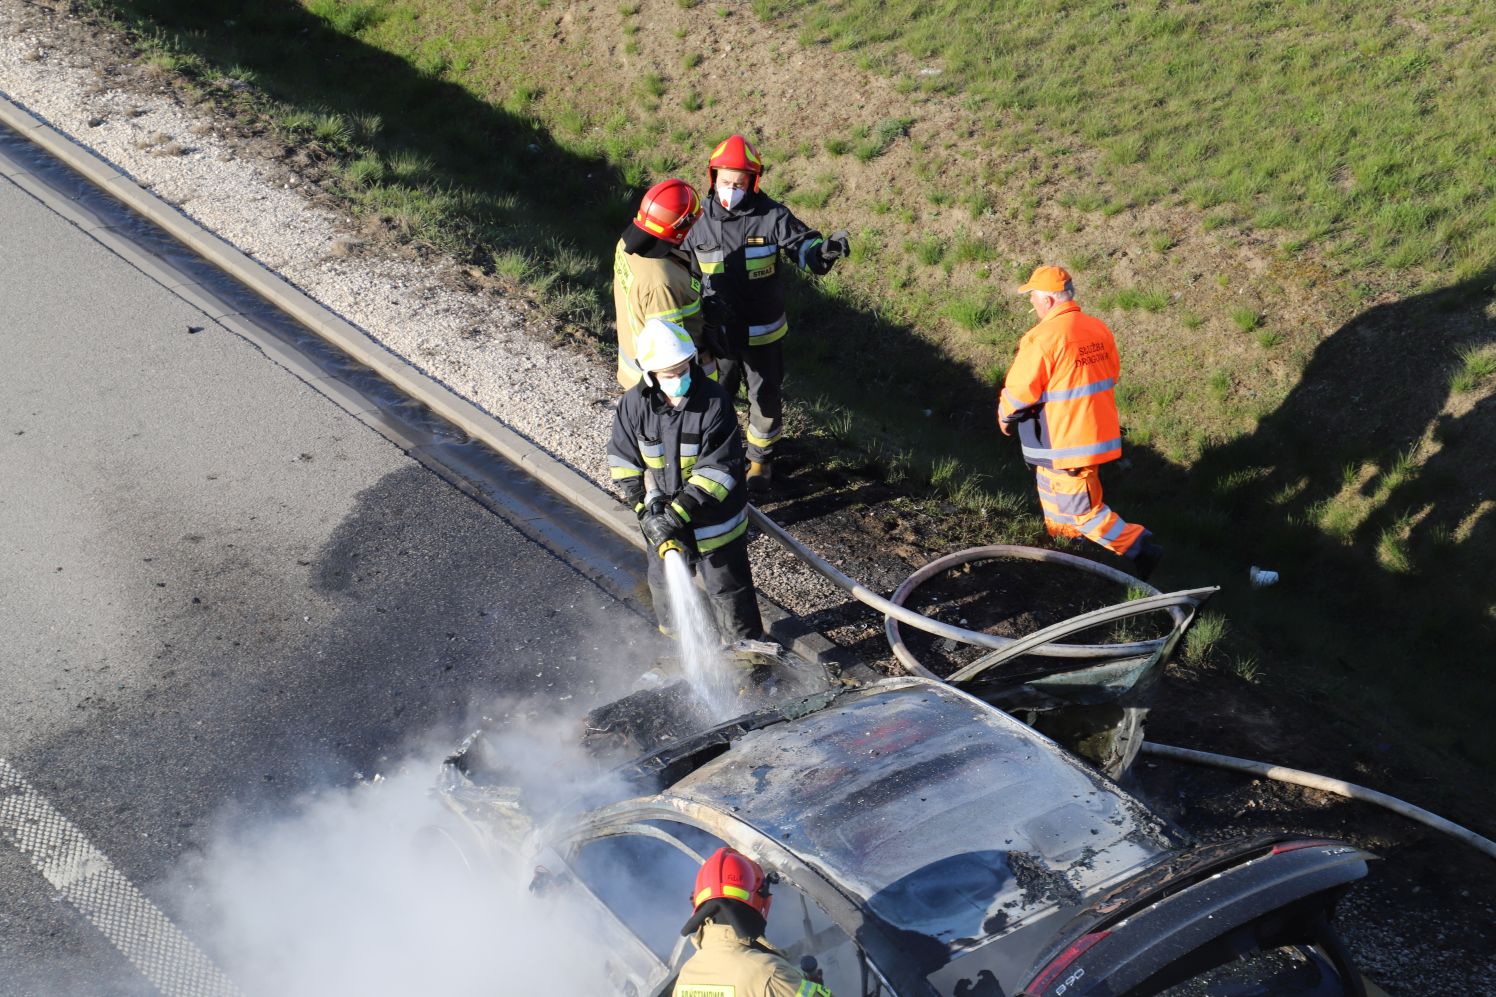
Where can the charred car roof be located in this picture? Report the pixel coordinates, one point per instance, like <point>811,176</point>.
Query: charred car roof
<point>950,821</point>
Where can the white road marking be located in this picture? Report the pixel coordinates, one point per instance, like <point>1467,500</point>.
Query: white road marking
<point>101,893</point>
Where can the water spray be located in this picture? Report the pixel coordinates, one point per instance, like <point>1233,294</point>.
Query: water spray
<point>700,646</point>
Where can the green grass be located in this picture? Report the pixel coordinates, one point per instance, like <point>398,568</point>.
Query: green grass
<point>816,197</point>
<point>1247,668</point>
<point>971,313</point>
<point>1246,319</point>
<point>1204,636</point>
<point>930,251</point>
<point>364,172</point>
<point>1220,386</point>
<point>652,85</point>
<point>1475,365</point>
<point>1319,117</point>
<point>1131,299</point>
<point>881,137</point>
<point>1392,547</point>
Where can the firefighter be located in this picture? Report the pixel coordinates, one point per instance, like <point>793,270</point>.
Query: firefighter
<point>736,246</point>
<point>652,277</point>
<point>677,457</point>
<point>1060,393</point>
<point>731,902</point>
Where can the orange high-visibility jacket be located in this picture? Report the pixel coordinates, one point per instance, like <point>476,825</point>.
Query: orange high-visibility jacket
<point>1060,391</point>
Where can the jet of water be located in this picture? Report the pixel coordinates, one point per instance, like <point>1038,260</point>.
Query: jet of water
<point>708,672</point>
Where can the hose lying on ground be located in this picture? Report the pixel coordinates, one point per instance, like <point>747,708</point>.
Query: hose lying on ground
<point>1327,785</point>
<point>892,607</point>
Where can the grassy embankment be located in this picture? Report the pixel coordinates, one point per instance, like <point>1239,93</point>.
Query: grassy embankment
<point>1285,211</point>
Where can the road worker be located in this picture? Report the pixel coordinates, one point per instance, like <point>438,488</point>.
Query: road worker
<point>652,277</point>
<point>731,902</point>
<point>676,454</point>
<point>1060,393</point>
<point>736,247</point>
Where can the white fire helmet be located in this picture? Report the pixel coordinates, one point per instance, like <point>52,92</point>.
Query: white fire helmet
<point>661,345</point>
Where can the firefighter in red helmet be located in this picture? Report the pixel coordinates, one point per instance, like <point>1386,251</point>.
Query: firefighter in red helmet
<point>732,905</point>
<point>737,246</point>
<point>652,278</point>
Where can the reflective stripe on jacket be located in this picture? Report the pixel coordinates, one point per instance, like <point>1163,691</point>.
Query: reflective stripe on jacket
<point>1073,507</point>
<point>1061,391</point>
<point>646,288</point>
<point>737,253</point>
<point>726,965</point>
<point>693,455</point>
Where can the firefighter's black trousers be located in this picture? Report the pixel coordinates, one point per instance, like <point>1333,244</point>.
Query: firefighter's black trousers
<point>763,368</point>
<point>728,581</point>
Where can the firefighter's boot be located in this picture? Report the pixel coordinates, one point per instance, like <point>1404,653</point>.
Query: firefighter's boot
<point>760,474</point>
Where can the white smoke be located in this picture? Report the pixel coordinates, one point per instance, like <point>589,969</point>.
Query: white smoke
<point>347,895</point>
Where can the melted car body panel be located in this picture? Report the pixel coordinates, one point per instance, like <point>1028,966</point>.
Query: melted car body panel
<point>950,821</point>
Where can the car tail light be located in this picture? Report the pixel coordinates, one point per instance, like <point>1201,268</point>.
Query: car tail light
<point>1055,974</point>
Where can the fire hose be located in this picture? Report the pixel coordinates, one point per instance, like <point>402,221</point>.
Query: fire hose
<point>896,612</point>
<point>1324,784</point>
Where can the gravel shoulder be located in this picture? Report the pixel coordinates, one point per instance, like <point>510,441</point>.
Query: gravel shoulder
<point>1414,923</point>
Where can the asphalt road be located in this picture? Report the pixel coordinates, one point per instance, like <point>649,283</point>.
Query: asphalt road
<point>218,590</point>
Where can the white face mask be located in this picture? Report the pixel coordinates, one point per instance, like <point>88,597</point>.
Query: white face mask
<point>730,197</point>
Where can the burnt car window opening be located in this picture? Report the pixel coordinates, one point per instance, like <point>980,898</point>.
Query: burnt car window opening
<point>799,928</point>
<point>644,881</point>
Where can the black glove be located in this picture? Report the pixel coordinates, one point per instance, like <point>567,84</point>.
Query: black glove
<point>653,507</point>
<point>725,333</point>
<point>662,527</point>
<point>835,247</point>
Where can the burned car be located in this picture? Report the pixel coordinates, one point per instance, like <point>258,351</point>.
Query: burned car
<point>922,843</point>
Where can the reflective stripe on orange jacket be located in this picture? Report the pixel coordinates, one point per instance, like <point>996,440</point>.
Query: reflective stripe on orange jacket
<point>1060,391</point>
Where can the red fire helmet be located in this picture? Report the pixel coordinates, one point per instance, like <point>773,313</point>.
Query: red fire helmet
<point>734,876</point>
<point>668,210</point>
<point>735,153</point>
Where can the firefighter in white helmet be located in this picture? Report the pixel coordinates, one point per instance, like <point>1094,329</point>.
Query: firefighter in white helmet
<point>677,457</point>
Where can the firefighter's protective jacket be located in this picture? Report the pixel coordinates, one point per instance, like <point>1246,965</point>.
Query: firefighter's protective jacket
<point>1061,391</point>
<point>727,965</point>
<point>737,252</point>
<point>694,456</point>
<point>646,288</point>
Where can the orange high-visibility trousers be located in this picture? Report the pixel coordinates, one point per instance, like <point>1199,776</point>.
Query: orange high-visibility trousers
<point>1072,506</point>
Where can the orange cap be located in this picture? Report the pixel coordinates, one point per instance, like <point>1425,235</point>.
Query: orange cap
<point>1050,280</point>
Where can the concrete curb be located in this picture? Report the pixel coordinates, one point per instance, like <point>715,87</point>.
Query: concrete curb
<point>568,484</point>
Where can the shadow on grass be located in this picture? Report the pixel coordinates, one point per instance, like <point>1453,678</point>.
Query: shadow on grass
<point>1388,579</point>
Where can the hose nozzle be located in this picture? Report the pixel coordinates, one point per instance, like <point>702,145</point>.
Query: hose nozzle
<point>670,545</point>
